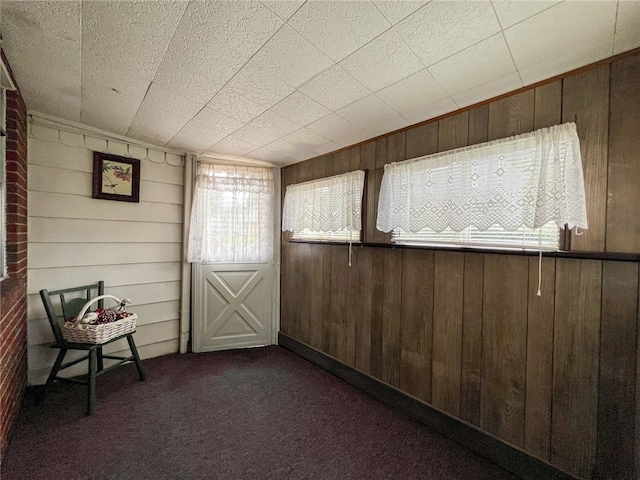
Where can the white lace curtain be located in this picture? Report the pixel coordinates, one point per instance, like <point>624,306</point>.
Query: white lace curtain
<point>331,204</point>
<point>231,215</point>
<point>525,180</point>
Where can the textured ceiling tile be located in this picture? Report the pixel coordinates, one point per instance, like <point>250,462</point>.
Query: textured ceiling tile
<point>42,41</point>
<point>232,146</point>
<point>259,86</point>
<point>160,97</point>
<point>368,111</point>
<point>478,64</point>
<point>106,109</point>
<point>334,127</point>
<point>414,92</point>
<point>427,112</point>
<point>396,10</point>
<point>488,90</point>
<point>124,42</point>
<point>290,57</point>
<point>382,62</point>
<point>627,26</point>
<point>217,121</point>
<point>306,139</point>
<point>510,12</point>
<point>338,28</point>
<point>564,37</point>
<point>440,29</point>
<point>190,85</point>
<point>283,8</point>
<point>196,137</point>
<point>386,126</point>
<point>289,149</point>
<point>334,88</point>
<point>122,46</point>
<point>254,136</point>
<point>268,155</point>
<point>272,123</point>
<point>158,123</point>
<point>300,109</point>
<point>214,39</point>
<point>235,105</point>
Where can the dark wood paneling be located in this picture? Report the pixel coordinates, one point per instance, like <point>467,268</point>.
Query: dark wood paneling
<point>326,297</point>
<point>319,168</point>
<point>617,384</point>
<point>453,132</point>
<point>585,100</point>
<point>537,439</point>
<point>396,147</point>
<point>447,331</point>
<point>504,346</point>
<point>338,295</point>
<point>355,158</point>
<point>391,314</point>
<point>417,322</point>
<point>342,162</point>
<point>317,296</point>
<point>363,261</point>
<point>575,365</point>
<point>381,152</point>
<point>422,140</point>
<point>470,393</point>
<point>373,195</point>
<point>548,105</point>
<point>303,286</point>
<point>510,458</point>
<point>479,124</point>
<point>511,115</point>
<point>287,272</point>
<point>377,298</point>
<point>368,156</point>
<point>355,307</point>
<point>623,221</point>
<point>305,171</point>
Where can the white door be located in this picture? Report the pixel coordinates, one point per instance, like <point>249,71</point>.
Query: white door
<point>231,242</point>
<point>234,306</point>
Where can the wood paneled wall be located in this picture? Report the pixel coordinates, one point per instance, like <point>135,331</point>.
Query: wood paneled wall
<point>554,374</point>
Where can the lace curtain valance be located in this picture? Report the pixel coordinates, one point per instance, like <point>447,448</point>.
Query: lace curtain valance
<point>330,205</point>
<point>231,214</point>
<point>525,180</point>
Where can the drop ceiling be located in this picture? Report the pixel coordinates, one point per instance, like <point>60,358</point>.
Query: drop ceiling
<point>283,81</point>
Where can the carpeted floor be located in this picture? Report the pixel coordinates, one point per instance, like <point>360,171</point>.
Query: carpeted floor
<point>245,414</point>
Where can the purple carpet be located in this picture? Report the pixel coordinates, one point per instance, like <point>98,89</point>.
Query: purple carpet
<point>245,414</point>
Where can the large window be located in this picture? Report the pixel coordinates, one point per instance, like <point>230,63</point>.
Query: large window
<point>232,214</point>
<point>511,193</point>
<point>326,209</point>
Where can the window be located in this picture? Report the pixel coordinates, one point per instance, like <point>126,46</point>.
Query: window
<point>510,193</point>
<point>326,209</point>
<point>232,214</point>
<point>3,189</point>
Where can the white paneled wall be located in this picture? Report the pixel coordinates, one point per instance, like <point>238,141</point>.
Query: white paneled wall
<point>136,248</point>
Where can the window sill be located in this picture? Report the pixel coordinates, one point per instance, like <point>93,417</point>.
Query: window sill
<point>621,257</point>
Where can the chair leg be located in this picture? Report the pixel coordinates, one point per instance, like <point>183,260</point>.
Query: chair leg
<point>93,366</point>
<point>52,375</point>
<point>100,360</point>
<point>136,357</point>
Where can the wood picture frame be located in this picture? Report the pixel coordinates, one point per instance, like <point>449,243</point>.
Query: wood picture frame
<point>116,177</point>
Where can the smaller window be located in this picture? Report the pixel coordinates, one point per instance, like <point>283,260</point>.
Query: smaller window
<point>329,209</point>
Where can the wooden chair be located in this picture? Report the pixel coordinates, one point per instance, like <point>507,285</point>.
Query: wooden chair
<point>71,307</point>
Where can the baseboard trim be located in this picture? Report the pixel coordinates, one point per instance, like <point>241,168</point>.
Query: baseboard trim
<point>507,456</point>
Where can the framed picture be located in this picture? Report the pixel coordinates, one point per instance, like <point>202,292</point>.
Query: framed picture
<point>116,178</point>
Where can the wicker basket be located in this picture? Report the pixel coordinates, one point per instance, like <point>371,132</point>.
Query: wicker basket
<point>96,334</point>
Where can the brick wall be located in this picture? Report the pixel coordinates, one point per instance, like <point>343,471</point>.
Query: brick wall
<point>13,290</point>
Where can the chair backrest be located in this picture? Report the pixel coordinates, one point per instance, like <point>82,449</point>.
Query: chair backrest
<point>70,306</point>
